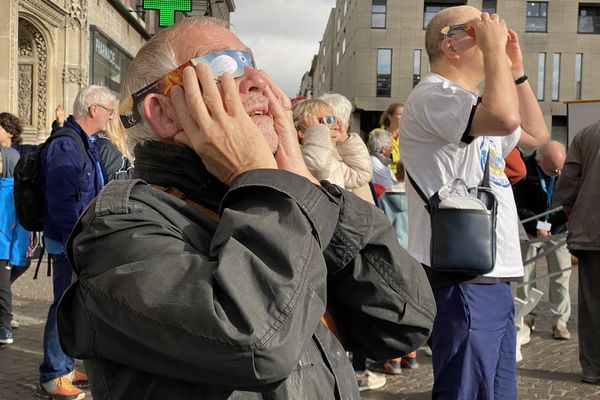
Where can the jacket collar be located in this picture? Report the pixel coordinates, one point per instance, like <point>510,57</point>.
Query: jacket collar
<point>169,165</point>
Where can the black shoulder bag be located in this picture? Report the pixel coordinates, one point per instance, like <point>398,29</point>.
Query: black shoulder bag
<point>463,240</point>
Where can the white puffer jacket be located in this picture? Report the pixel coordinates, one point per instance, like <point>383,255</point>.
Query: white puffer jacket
<point>347,165</point>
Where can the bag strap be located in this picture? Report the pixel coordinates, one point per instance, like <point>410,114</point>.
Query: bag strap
<point>486,172</point>
<point>73,135</point>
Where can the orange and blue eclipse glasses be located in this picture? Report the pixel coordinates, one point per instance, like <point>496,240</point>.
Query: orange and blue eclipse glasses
<point>328,120</point>
<point>466,27</point>
<point>232,61</point>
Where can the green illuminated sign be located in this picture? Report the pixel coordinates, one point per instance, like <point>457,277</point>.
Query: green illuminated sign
<point>166,9</point>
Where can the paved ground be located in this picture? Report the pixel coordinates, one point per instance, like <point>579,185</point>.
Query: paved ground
<point>550,369</point>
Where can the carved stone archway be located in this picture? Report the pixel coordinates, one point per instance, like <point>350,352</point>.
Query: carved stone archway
<point>33,80</point>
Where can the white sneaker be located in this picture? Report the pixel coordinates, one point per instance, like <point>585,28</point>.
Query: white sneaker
<point>369,380</point>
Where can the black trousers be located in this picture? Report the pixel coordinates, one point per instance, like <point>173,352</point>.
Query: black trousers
<point>7,277</point>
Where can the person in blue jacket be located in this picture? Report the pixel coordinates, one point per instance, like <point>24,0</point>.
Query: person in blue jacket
<point>14,239</point>
<point>69,184</point>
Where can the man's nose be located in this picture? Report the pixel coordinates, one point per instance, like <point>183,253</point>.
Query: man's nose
<point>253,79</point>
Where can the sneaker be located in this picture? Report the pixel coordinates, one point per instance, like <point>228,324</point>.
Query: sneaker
<point>14,324</point>
<point>410,361</point>
<point>6,336</point>
<point>60,388</point>
<point>79,379</point>
<point>369,381</point>
<point>561,333</point>
<point>426,349</point>
<point>530,323</point>
<point>391,367</point>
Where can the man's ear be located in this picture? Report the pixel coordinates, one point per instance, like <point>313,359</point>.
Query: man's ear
<point>448,49</point>
<point>160,114</point>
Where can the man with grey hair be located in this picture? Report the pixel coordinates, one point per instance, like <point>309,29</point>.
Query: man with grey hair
<point>220,271</point>
<point>534,195</point>
<point>71,176</point>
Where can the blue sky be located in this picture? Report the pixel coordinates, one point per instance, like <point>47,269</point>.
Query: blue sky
<point>283,34</point>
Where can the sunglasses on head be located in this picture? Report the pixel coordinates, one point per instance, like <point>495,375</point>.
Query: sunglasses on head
<point>328,120</point>
<point>232,61</point>
<point>466,27</point>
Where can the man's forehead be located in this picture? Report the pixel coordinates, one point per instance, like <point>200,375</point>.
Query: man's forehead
<point>209,39</point>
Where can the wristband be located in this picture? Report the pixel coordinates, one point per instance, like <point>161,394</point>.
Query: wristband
<point>520,80</point>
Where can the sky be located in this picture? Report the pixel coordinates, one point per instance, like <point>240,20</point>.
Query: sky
<point>284,35</point>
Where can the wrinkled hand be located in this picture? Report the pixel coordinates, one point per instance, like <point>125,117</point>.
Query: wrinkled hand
<point>218,128</point>
<point>288,155</point>
<point>513,51</point>
<point>59,114</point>
<point>306,121</point>
<point>341,133</point>
<point>491,33</point>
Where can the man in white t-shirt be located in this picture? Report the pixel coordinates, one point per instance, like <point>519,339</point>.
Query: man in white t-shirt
<point>447,131</point>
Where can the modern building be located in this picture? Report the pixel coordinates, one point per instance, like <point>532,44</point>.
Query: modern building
<point>53,48</point>
<point>373,52</point>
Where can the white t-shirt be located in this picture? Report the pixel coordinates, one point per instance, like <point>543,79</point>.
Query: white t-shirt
<point>434,120</point>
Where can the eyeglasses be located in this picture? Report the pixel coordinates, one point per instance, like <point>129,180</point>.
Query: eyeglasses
<point>232,61</point>
<point>466,27</point>
<point>328,120</point>
<point>110,111</point>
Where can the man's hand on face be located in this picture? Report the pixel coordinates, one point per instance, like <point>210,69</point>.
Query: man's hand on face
<point>218,128</point>
<point>491,33</point>
<point>288,155</point>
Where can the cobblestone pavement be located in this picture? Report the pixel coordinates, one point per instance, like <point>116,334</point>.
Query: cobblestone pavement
<point>550,368</point>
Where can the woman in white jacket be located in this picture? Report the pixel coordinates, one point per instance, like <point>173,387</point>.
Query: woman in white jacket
<point>329,151</point>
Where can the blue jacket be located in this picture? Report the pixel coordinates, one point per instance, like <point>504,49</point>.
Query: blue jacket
<point>67,188</point>
<point>14,239</point>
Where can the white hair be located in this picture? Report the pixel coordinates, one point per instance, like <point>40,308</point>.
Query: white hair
<point>90,95</point>
<point>380,139</point>
<point>341,106</point>
<point>156,58</point>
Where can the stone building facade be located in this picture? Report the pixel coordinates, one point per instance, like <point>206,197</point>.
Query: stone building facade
<point>373,52</point>
<point>53,48</point>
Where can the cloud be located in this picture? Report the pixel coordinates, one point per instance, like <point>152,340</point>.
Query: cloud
<point>283,34</point>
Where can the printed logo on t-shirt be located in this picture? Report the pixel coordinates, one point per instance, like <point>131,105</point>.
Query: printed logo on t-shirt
<point>497,163</point>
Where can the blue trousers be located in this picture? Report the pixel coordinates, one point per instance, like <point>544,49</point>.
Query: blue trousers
<point>56,363</point>
<point>474,343</point>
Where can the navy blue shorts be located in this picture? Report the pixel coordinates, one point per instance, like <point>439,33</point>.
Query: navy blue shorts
<point>474,343</point>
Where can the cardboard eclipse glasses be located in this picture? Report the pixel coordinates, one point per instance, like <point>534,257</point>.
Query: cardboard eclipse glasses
<point>232,61</point>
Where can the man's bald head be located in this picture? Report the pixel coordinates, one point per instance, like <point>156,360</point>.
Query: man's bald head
<point>446,17</point>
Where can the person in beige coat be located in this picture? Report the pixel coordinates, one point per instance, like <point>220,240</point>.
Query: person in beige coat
<point>578,193</point>
<point>330,152</point>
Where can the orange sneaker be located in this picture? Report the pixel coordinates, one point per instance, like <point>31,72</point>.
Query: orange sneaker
<point>79,379</point>
<point>60,388</point>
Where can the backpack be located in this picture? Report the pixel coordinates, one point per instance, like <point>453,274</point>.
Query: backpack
<point>29,198</point>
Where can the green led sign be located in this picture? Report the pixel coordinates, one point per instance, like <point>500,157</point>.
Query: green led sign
<point>166,9</point>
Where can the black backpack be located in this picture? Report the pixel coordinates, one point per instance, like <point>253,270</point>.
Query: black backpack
<point>29,198</point>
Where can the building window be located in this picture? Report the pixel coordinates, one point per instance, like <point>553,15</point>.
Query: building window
<point>346,7</point>
<point>537,15</point>
<point>339,23</point>
<point>324,51</point>
<point>578,66</point>
<point>431,9</point>
<point>541,76</point>
<point>488,6</point>
<point>384,72</point>
<point>378,11</point>
<point>344,45</point>
<point>416,66</point>
<point>589,18</point>
<point>555,76</point>
<point>337,58</point>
